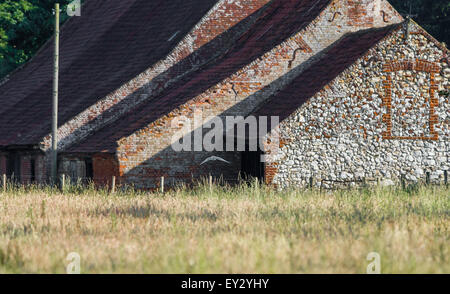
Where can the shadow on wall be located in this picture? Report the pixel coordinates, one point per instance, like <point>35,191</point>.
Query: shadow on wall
<point>175,77</point>
<point>187,166</point>
<point>207,72</point>
<point>163,161</point>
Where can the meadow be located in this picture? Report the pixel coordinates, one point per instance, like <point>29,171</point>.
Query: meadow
<point>242,229</point>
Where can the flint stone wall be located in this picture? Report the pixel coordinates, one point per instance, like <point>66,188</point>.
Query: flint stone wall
<point>387,118</point>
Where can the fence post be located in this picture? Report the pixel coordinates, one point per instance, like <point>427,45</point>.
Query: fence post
<point>311,182</point>
<point>4,183</point>
<point>402,180</point>
<point>162,184</point>
<point>445,177</point>
<point>113,185</point>
<point>210,183</point>
<point>63,182</point>
<point>428,178</point>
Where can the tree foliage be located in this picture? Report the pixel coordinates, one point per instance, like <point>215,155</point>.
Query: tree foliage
<point>432,15</point>
<point>25,25</point>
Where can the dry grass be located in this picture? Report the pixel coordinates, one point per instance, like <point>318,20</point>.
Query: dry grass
<point>238,230</point>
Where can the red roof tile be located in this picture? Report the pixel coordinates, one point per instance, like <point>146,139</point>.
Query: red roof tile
<point>280,20</point>
<point>109,44</point>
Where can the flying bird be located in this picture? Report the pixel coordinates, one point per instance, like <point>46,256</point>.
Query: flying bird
<point>214,158</point>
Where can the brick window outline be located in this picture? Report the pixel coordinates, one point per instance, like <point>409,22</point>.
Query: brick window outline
<point>418,65</point>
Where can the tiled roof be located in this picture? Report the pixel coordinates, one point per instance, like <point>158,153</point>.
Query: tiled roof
<point>110,43</point>
<point>343,54</point>
<point>279,21</point>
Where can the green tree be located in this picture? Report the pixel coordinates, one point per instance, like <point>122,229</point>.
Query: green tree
<point>25,25</point>
<point>432,15</point>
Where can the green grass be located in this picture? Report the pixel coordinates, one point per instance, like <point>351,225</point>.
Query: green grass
<point>243,229</point>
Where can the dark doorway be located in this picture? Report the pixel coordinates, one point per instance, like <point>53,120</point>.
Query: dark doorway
<point>252,165</point>
<point>73,171</point>
<point>89,169</point>
<point>13,167</point>
<point>33,170</point>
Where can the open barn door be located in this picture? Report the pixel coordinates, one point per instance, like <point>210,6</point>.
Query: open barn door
<point>252,165</point>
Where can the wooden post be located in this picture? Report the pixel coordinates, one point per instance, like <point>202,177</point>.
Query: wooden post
<point>63,182</point>
<point>210,183</point>
<point>402,180</point>
<point>428,178</point>
<point>445,177</point>
<point>4,183</point>
<point>162,184</point>
<point>54,157</point>
<point>113,185</point>
<point>311,182</point>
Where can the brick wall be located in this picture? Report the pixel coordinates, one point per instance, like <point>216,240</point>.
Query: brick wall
<point>105,166</point>
<point>25,169</point>
<point>41,168</point>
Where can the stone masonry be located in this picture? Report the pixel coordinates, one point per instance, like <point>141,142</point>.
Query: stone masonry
<point>386,117</point>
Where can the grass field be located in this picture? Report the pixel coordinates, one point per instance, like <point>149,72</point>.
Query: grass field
<point>228,230</point>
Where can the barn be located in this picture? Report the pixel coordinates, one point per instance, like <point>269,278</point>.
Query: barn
<point>294,92</point>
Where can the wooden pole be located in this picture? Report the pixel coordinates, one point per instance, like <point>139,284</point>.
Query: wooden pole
<point>63,183</point>
<point>113,186</point>
<point>4,183</point>
<point>446,177</point>
<point>54,157</point>
<point>210,183</point>
<point>162,184</point>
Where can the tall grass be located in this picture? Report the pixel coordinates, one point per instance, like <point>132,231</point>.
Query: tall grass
<point>240,229</point>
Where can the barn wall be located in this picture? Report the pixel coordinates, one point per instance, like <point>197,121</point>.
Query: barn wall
<point>386,117</point>
<point>25,169</point>
<point>148,154</point>
<point>41,168</point>
<point>26,157</point>
<point>223,25</point>
<point>74,168</point>
<point>105,166</point>
<point>2,163</point>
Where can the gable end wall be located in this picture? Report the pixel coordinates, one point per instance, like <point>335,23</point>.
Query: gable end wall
<point>382,119</point>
